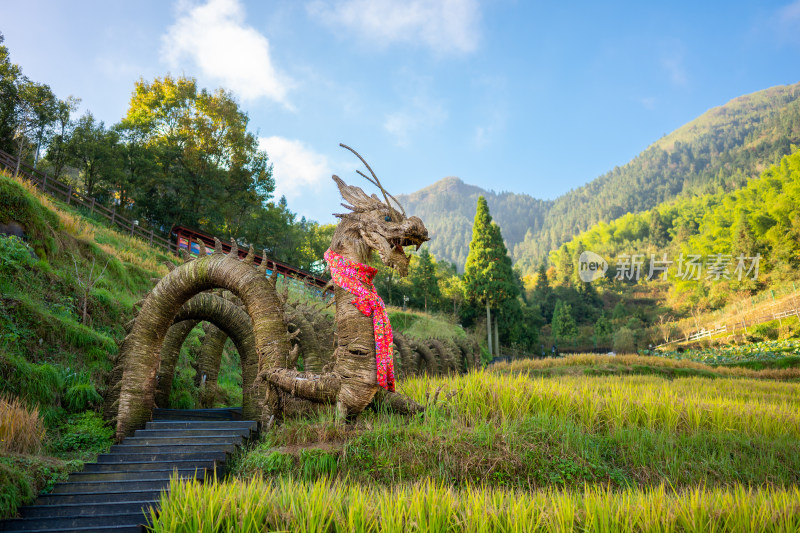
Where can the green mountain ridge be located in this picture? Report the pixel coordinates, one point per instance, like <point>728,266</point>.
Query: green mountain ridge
<point>720,150</point>
<point>448,209</point>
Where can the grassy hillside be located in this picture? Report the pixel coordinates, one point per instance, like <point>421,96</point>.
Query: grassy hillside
<point>52,357</point>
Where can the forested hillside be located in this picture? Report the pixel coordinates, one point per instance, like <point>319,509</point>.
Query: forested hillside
<point>711,240</point>
<point>448,209</point>
<point>719,150</point>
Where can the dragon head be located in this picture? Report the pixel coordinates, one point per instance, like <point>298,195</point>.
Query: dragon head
<point>373,224</point>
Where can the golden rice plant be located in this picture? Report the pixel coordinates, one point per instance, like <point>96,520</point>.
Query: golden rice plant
<point>21,429</point>
<point>684,405</point>
<point>323,505</point>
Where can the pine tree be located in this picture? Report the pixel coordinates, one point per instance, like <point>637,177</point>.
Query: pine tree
<point>488,276</point>
<point>564,326</point>
<point>423,277</point>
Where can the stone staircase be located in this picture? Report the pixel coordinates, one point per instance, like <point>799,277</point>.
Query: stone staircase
<point>116,492</point>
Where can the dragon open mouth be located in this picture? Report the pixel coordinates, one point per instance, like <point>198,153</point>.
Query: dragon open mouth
<point>399,244</point>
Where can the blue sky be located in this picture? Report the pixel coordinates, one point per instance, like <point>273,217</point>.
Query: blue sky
<point>528,97</point>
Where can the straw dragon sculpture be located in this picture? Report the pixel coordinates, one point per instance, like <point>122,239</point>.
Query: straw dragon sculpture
<point>251,312</point>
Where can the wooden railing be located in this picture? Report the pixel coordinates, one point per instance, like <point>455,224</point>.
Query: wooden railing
<point>67,193</point>
<point>786,312</point>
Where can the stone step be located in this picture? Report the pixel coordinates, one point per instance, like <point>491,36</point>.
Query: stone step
<point>84,509</point>
<point>196,414</point>
<point>161,441</point>
<point>129,475</point>
<point>73,487</point>
<point>145,466</point>
<point>201,424</point>
<point>222,432</point>
<point>209,455</point>
<point>96,529</point>
<point>98,497</point>
<point>127,449</point>
<point>86,523</point>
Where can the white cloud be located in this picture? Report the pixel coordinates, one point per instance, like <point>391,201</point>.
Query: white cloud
<point>672,61</point>
<point>788,23</point>
<point>298,170</point>
<point>214,38</point>
<point>420,114</point>
<point>446,26</point>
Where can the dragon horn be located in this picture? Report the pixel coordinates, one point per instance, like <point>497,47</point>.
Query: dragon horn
<point>375,181</point>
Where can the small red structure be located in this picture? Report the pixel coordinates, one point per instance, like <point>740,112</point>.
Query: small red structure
<point>189,239</point>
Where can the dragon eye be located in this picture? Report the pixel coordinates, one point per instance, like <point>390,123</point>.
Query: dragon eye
<point>387,218</point>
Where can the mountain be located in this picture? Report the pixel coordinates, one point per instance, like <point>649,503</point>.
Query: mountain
<point>448,209</point>
<point>720,150</point>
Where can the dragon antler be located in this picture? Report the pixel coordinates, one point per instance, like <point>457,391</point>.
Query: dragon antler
<point>375,181</point>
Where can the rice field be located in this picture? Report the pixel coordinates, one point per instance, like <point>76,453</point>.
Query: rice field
<point>257,505</point>
<point>504,450</point>
<point>683,405</point>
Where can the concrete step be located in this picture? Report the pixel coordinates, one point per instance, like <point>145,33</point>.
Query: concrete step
<point>171,448</point>
<point>161,441</point>
<point>222,432</point>
<point>86,523</point>
<point>201,424</point>
<point>86,509</point>
<point>209,455</point>
<point>130,475</point>
<point>73,487</point>
<point>144,466</point>
<point>98,497</point>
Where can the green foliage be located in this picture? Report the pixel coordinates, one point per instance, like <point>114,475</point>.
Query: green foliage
<point>22,477</point>
<point>81,397</point>
<point>624,341</point>
<point>488,277</point>
<point>756,355</point>
<point>564,326</point>
<point>84,435</point>
<point>18,205</point>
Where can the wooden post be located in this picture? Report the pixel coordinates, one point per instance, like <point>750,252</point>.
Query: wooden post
<point>113,215</point>
<point>69,194</point>
<point>489,326</point>
<point>44,183</point>
<point>151,237</point>
<point>133,226</point>
<point>91,209</point>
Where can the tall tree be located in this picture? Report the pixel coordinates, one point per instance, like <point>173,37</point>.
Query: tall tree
<point>488,276</point>
<point>564,326</point>
<point>211,172</point>
<point>423,279</point>
<point>93,150</point>
<point>62,131</point>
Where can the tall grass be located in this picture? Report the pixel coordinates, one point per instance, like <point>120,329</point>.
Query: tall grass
<point>321,506</point>
<point>684,405</point>
<point>21,428</point>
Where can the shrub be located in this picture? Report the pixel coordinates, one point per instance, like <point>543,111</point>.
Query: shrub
<point>14,254</point>
<point>85,432</point>
<point>21,429</point>
<point>81,397</point>
<point>623,341</point>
